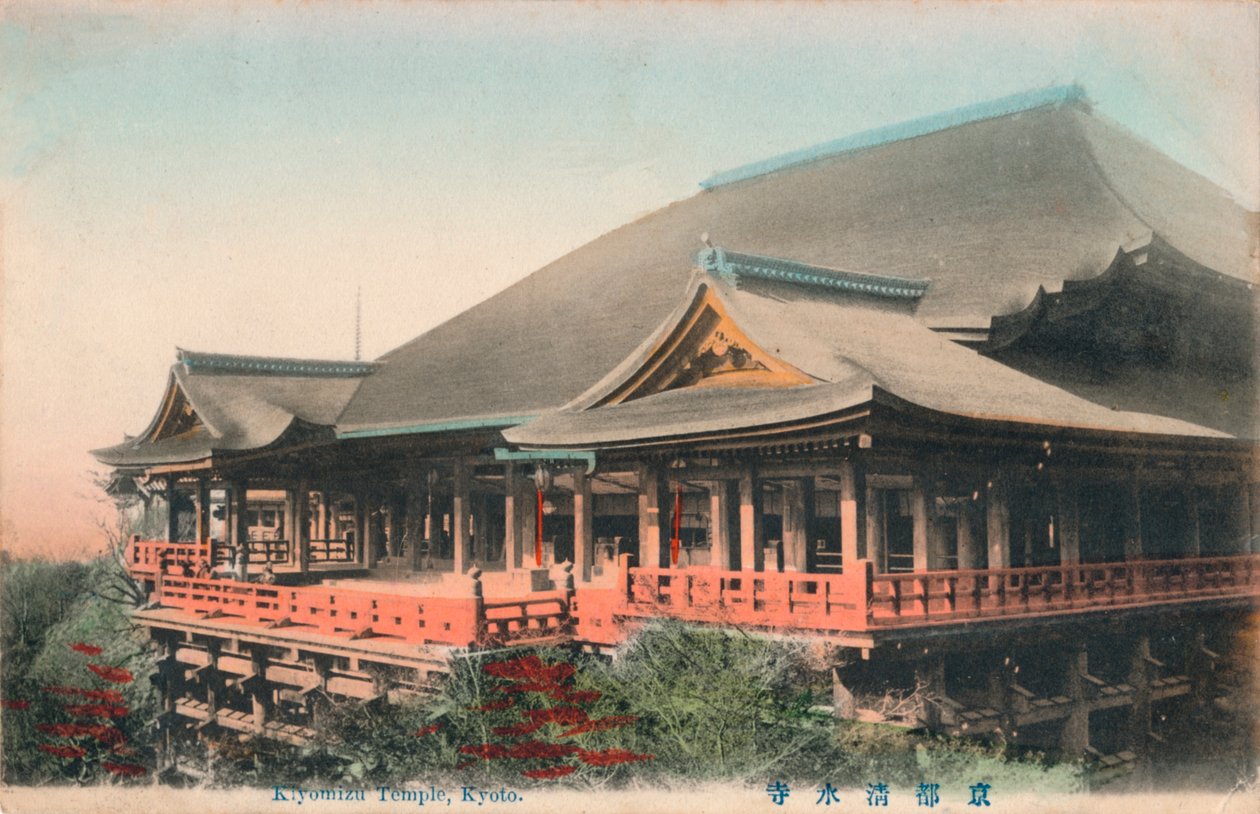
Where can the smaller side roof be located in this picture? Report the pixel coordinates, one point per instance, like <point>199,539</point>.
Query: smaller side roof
<point>223,402</point>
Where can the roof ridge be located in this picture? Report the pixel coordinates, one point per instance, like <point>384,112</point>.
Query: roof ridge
<point>901,131</point>
<point>242,364</point>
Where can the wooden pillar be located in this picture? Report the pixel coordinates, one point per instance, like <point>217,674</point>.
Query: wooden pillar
<point>719,524</point>
<point>929,673</point>
<point>1074,737</point>
<point>583,526</point>
<point>302,526</point>
<point>1253,509</point>
<point>1068,517</point>
<point>203,511</point>
<point>998,525</point>
<point>213,680</point>
<point>240,527</point>
<point>848,515</point>
<point>651,531</point>
<point>1194,541</point>
<point>1133,520</point>
<point>514,507</point>
<point>795,526</point>
<point>919,514</point>
<point>751,555</point>
<point>968,551</point>
<point>477,510</point>
<point>172,514</point>
<point>1246,516</point>
<point>843,704</point>
<point>527,515</point>
<point>259,694</point>
<point>291,515</point>
<point>1140,679</point>
<point>875,544</point>
<point>367,544</point>
<point>459,517</point>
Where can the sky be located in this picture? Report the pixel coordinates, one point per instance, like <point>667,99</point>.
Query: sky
<point>225,178</point>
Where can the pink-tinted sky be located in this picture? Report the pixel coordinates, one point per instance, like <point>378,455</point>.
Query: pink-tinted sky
<point>223,179</point>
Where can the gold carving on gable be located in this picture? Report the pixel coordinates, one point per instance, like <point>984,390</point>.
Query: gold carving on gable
<point>706,349</point>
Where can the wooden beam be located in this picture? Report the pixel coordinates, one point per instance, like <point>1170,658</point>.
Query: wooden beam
<point>583,530</point>
<point>719,524</point>
<point>172,514</point>
<point>1068,519</point>
<point>514,509</point>
<point>997,524</point>
<point>795,524</point>
<point>751,554</point>
<point>203,511</point>
<point>848,514</point>
<point>876,546</point>
<point>651,532</point>
<point>240,527</point>
<point>919,515</point>
<point>459,516</point>
<point>1133,518</point>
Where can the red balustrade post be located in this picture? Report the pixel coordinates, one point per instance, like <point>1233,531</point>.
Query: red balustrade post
<point>479,606</point>
<point>856,584</point>
<point>624,580</point>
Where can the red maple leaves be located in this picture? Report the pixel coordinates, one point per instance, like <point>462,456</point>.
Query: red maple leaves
<point>563,709</point>
<point>87,649</point>
<point>550,773</point>
<point>116,675</point>
<point>88,738</point>
<point>611,757</point>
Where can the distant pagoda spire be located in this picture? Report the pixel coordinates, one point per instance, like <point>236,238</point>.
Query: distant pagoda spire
<point>358,322</point>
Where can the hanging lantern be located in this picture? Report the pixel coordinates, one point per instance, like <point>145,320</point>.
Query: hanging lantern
<point>675,541</point>
<point>542,481</point>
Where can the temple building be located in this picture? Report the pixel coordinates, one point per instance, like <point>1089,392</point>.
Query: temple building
<point>969,402</point>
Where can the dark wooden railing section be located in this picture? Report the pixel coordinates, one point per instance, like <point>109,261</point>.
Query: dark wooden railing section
<point>331,550</point>
<point>148,556</point>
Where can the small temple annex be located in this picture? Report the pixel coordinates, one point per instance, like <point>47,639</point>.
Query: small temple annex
<point>969,403</point>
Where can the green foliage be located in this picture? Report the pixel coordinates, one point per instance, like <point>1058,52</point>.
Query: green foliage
<point>81,617</point>
<point>35,595</point>
<point>715,704</point>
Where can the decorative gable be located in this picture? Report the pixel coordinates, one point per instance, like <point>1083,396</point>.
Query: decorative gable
<point>177,419</point>
<point>705,349</point>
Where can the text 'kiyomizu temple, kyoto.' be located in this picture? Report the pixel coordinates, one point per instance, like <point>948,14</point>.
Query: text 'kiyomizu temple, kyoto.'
<point>968,402</point>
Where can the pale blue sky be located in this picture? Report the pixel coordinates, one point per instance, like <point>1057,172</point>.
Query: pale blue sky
<point>224,179</point>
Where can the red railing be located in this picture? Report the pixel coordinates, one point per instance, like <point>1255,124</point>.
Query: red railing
<point>762,599</point>
<point>335,611</point>
<point>862,601</point>
<point>539,616</point>
<point>950,596</point>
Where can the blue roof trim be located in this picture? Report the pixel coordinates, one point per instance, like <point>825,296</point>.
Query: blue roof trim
<point>1059,94</point>
<point>494,422</point>
<point>585,455</point>
<point>272,365</point>
<point>733,265</point>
